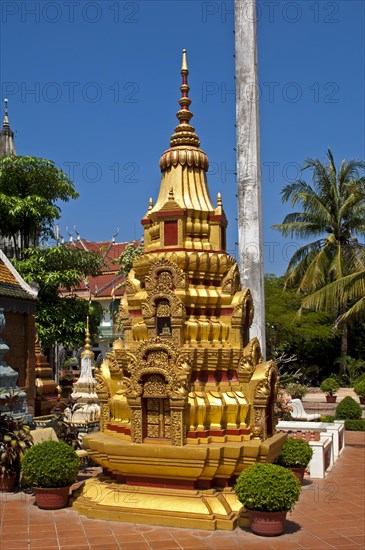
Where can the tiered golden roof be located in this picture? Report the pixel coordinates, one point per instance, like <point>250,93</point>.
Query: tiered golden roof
<point>184,198</point>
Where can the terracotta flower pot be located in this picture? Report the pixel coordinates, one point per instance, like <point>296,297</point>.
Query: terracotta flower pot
<point>299,474</point>
<point>331,398</point>
<point>7,483</point>
<point>51,498</point>
<point>267,524</point>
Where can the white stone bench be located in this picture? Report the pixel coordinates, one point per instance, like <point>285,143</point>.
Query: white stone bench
<point>310,431</point>
<point>327,440</point>
<point>298,412</point>
<point>322,459</point>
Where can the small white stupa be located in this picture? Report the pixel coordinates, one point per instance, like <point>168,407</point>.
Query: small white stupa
<point>87,407</point>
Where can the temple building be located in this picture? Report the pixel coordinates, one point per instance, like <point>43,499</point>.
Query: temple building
<point>107,288</point>
<point>186,400</point>
<point>18,300</point>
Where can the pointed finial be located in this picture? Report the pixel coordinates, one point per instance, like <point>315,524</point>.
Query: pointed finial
<point>6,114</point>
<point>87,347</point>
<point>150,204</point>
<point>184,65</point>
<point>219,199</point>
<point>184,133</point>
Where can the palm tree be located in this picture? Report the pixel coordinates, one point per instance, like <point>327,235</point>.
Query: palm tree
<point>350,288</point>
<point>333,211</point>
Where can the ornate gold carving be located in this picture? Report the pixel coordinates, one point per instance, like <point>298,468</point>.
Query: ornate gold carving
<point>163,276</point>
<point>136,425</point>
<point>104,415</point>
<point>101,386</point>
<point>250,358</point>
<point>112,362</point>
<point>163,308</point>
<point>103,393</point>
<point>154,386</point>
<point>232,282</point>
<point>190,157</point>
<point>123,314</point>
<point>178,432</point>
<point>262,390</point>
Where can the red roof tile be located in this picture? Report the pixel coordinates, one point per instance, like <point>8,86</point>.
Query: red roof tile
<point>101,287</point>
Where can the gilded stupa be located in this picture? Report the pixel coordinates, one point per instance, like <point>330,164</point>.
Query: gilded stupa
<point>186,399</point>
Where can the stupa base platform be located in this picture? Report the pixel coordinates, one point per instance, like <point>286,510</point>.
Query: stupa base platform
<point>192,467</point>
<point>193,509</point>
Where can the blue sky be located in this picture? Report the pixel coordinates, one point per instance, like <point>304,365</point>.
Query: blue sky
<point>95,85</point>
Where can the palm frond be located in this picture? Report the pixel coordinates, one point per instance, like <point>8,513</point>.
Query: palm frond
<point>353,314</point>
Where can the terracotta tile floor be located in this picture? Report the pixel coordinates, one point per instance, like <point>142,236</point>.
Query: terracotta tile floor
<point>329,514</point>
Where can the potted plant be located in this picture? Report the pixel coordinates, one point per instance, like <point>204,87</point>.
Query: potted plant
<point>268,492</point>
<point>295,454</point>
<point>359,389</point>
<point>15,439</point>
<point>329,386</point>
<point>51,467</point>
<point>295,390</point>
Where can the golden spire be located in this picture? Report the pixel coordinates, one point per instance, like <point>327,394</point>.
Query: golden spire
<point>6,115</point>
<point>184,133</point>
<point>87,347</point>
<point>7,146</point>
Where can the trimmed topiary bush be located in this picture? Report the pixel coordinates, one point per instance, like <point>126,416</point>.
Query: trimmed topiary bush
<point>50,464</point>
<point>348,409</point>
<point>267,488</point>
<point>329,386</point>
<point>295,453</point>
<point>355,425</point>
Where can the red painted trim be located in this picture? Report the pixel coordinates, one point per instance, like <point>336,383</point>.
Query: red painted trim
<point>169,213</point>
<point>180,249</point>
<point>233,431</point>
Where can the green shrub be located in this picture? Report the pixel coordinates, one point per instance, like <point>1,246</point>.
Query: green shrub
<point>360,378</point>
<point>355,425</point>
<point>50,464</point>
<point>359,388</point>
<point>327,418</point>
<point>348,409</point>
<point>296,453</point>
<point>296,390</point>
<point>267,488</point>
<point>330,386</point>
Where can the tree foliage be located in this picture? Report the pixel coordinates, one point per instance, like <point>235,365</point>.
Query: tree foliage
<point>332,209</point>
<point>61,320</point>
<point>127,257</point>
<point>310,339</point>
<point>29,190</point>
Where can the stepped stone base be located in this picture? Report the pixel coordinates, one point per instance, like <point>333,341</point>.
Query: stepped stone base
<point>210,509</point>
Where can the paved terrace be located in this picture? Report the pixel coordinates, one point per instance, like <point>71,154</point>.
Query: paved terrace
<point>329,514</point>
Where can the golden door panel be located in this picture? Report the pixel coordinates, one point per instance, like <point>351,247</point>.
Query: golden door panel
<point>157,418</point>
